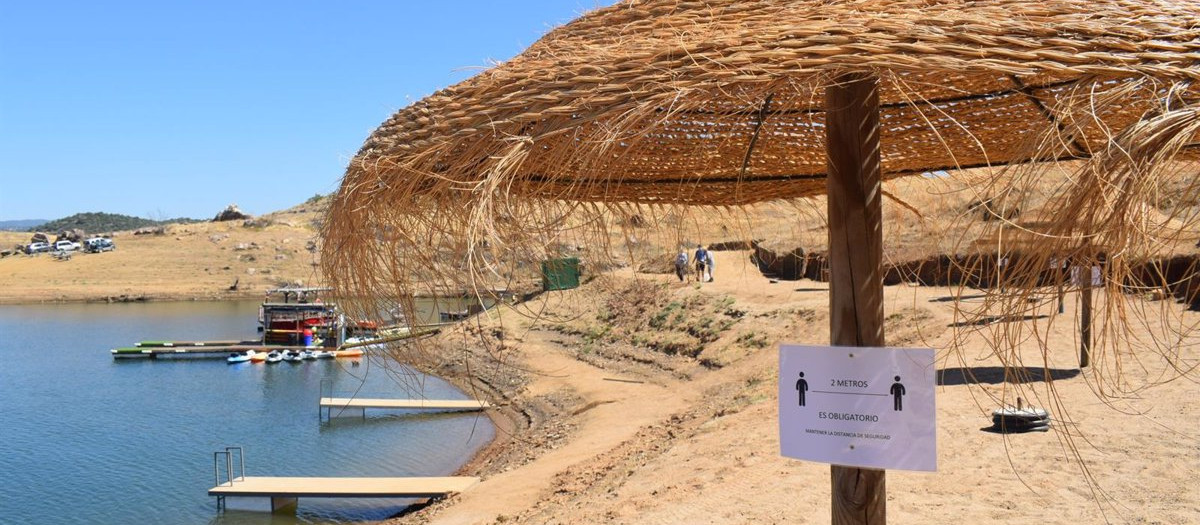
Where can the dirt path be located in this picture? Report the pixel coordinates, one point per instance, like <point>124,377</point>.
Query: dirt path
<point>700,445</point>
<point>613,409</point>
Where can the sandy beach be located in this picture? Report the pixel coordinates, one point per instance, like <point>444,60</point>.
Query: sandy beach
<point>606,430</point>
<point>640,399</point>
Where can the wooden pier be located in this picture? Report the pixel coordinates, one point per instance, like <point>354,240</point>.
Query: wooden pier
<point>201,350</point>
<point>157,349</point>
<point>279,494</point>
<point>328,404</point>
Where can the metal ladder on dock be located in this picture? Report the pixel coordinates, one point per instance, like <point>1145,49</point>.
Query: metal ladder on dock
<point>227,454</point>
<point>325,414</point>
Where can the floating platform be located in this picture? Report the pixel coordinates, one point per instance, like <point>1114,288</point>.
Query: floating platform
<point>328,404</point>
<point>291,487</point>
<point>433,404</point>
<point>177,349</point>
<point>279,494</point>
<point>155,352</point>
<point>156,344</point>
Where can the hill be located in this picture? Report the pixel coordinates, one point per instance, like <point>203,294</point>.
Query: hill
<point>98,222</point>
<point>198,260</point>
<point>21,224</point>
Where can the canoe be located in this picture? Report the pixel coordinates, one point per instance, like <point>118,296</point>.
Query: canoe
<point>258,357</point>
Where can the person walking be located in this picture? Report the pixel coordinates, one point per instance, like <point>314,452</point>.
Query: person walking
<point>701,260</point>
<point>708,264</point>
<point>681,263</point>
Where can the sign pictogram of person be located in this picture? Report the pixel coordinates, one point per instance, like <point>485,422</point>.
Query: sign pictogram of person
<point>801,387</point>
<point>897,394</point>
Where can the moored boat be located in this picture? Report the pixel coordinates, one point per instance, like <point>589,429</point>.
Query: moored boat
<point>296,325</point>
<point>240,357</point>
<point>363,343</point>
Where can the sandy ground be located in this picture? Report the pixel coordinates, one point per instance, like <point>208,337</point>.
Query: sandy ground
<point>603,430</point>
<point>199,261</point>
<point>640,399</point>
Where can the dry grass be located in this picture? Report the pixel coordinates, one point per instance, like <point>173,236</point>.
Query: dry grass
<point>189,262</point>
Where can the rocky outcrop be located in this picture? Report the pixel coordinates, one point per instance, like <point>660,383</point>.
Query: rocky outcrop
<point>73,235</point>
<point>231,213</point>
<point>151,230</point>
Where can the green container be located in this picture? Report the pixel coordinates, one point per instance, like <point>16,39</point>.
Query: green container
<point>560,274</point>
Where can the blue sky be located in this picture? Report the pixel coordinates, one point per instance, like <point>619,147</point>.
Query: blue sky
<point>177,109</point>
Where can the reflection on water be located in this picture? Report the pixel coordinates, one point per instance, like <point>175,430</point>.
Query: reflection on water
<point>90,439</point>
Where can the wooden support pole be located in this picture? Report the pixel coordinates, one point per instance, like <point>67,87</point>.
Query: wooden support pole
<point>859,495</point>
<point>1085,320</point>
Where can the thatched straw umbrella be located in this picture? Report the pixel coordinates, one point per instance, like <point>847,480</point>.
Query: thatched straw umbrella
<point>724,103</point>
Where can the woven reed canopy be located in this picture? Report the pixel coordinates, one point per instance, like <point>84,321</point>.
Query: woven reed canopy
<point>669,103</point>
<point>721,102</point>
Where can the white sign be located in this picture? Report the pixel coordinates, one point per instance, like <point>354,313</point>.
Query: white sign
<point>858,406</point>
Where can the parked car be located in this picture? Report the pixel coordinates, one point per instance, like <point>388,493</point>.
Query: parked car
<point>98,244</point>
<point>66,246</point>
<point>38,247</point>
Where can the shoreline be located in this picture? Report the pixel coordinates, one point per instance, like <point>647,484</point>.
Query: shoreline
<point>707,450</point>
<point>577,441</point>
<point>132,298</point>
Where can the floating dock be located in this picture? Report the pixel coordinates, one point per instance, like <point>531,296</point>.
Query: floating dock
<point>201,350</point>
<point>317,487</point>
<point>156,349</point>
<point>328,404</point>
<point>279,494</point>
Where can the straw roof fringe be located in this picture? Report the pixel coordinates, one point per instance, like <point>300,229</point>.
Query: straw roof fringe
<point>659,95</point>
<point>648,105</point>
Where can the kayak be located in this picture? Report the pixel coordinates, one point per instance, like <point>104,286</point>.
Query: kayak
<point>258,357</point>
<point>240,357</point>
<point>274,357</point>
<point>308,354</point>
<point>323,354</point>
<point>349,352</point>
<point>292,355</point>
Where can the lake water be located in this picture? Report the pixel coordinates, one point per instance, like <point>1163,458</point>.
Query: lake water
<point>85,438</point>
